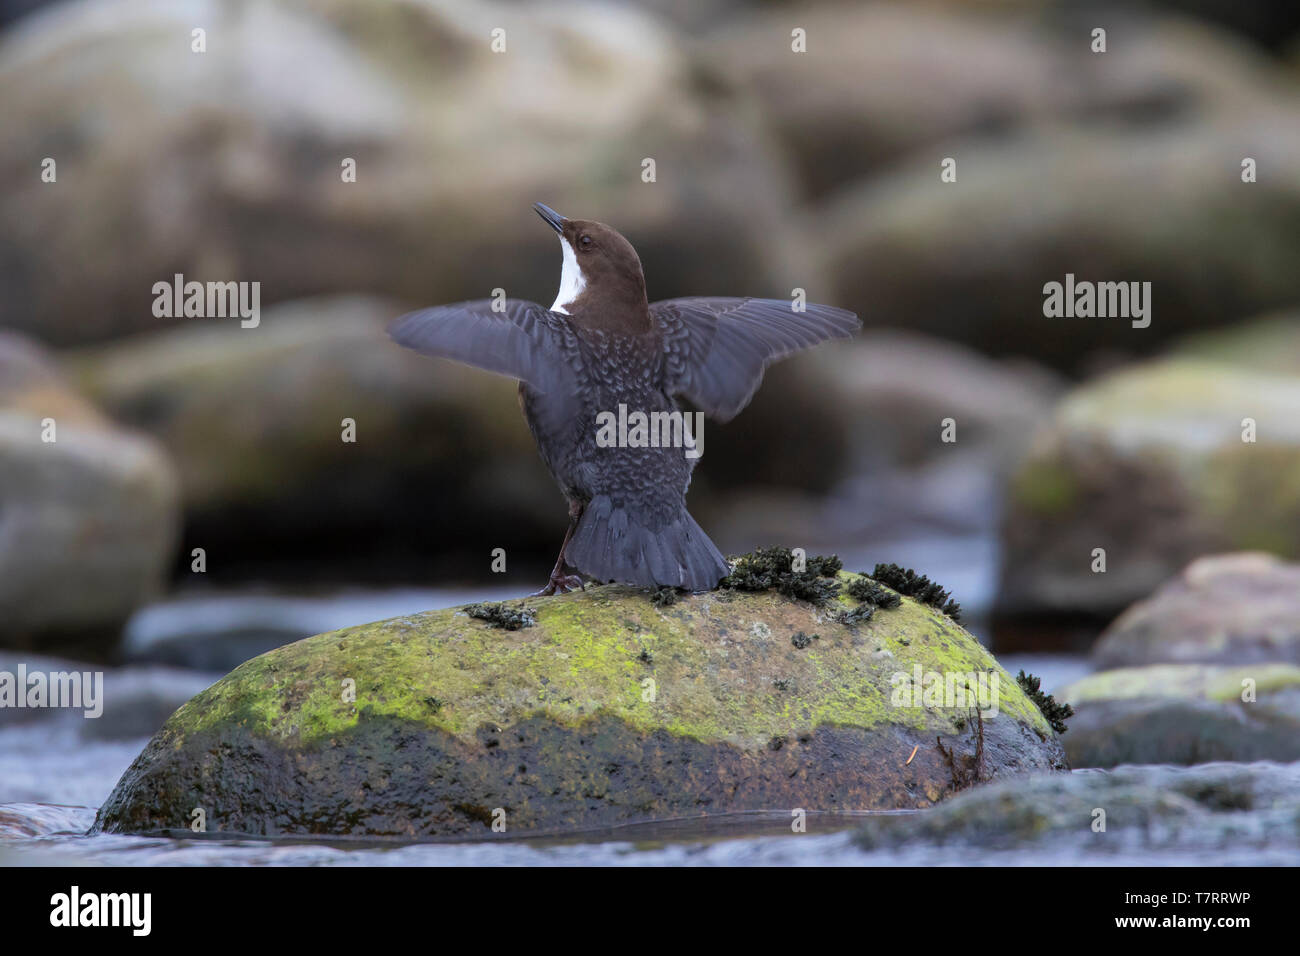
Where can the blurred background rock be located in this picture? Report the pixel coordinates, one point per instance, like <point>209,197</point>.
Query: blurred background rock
<point>774,170</point>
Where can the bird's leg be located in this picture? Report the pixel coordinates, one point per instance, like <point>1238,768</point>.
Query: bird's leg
<point>559,581</point>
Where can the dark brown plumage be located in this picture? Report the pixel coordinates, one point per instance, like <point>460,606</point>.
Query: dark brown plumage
<point>601,345</point>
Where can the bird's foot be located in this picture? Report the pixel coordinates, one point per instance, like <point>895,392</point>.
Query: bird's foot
<point>561,583</point>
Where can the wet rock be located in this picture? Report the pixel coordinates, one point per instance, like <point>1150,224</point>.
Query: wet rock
<point>607,710</point>
<point>1184,714</point>
<point>1212,807</point>
<point>228,166</point>
<point>87,519</point>
<point>1150,465</point>
<point>1225,609</point>
<point>442,461</point>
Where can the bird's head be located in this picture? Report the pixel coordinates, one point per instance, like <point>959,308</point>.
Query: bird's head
<point>601,270</point>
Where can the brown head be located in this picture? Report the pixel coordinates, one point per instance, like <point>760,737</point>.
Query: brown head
<point>601,284</point>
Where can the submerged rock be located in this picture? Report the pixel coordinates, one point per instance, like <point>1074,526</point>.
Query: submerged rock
<point>1217,806</point>
<point>607,709</point>
<point>1184,714</point>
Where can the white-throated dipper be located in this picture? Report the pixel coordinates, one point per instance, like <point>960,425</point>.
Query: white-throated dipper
<point>602,346</point>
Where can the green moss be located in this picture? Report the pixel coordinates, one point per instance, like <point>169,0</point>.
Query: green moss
<point>1252,491</point>
<point>1045,487</point>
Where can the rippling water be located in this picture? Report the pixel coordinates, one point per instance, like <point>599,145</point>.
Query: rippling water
<point>53,779</point>
<point>55,838</point>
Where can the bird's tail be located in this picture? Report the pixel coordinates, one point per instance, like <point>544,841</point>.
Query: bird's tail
<point>609,544</point>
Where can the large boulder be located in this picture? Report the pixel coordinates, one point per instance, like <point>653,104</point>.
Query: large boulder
<point>1225,609</point>
<point>1154,465</point>
<point>1164,204</point>
<point>869,92</point>
<point>1184,714</point>
<point>88,511</point>
<point>227,165</point>
<point>609,709</point>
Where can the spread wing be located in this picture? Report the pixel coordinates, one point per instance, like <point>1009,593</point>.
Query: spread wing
<point>524,341</point>
<point>717,349</point>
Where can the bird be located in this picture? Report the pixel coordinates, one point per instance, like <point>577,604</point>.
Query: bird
<point>603,348</point>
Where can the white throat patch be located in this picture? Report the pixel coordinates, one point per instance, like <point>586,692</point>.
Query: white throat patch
<point>572,281</point>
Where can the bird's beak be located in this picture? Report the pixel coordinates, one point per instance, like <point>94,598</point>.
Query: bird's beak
<point>550,216</point>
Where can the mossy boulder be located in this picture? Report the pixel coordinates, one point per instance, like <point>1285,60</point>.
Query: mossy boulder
<point>866,96</point>
<point>1156,201</point>
<point>1184,714</point>
<point>1158,464</point>
<point>608,708</point>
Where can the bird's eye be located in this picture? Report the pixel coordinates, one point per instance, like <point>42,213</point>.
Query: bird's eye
<point>586,242</point>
